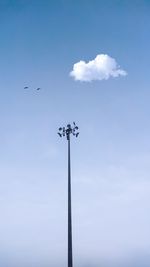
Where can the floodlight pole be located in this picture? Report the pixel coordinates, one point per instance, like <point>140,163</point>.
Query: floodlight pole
<point>70,260</point>
<point>66,132</point>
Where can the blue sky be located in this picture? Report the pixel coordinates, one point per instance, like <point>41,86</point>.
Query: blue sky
<point>40,43</point>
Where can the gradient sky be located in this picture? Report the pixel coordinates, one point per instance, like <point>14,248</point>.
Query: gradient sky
<point>40,42</point>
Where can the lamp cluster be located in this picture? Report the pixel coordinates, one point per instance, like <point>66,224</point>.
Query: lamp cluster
<point>66,131</point>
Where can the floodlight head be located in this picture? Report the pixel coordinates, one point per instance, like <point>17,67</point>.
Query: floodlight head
<point>66,131</point>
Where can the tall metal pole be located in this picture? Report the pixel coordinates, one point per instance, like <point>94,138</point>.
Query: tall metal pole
<point>70,261</point>
<point>66,132</point>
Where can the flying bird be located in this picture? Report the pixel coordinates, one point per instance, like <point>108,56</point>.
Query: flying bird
<point>26,87</point>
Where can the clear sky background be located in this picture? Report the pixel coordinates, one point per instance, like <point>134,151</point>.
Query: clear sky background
<point>40,41</point>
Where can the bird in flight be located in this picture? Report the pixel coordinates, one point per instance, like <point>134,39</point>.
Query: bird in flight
<point>27,87</point>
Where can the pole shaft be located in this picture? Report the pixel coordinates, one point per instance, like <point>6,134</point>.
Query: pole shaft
<point>70,260</point>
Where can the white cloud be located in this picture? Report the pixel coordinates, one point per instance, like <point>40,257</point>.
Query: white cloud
<point>101,68</point>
